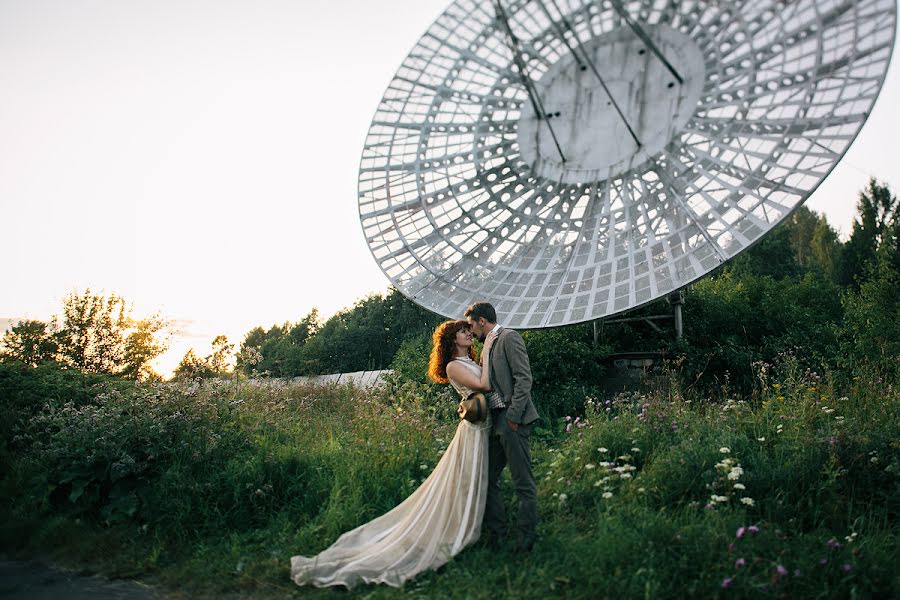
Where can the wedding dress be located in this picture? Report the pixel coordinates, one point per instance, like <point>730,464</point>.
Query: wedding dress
<point>423,532</point>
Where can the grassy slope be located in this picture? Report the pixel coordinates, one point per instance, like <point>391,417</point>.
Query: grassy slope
<point>209,491</point>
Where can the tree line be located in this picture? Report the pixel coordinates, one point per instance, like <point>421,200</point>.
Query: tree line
<point>799,289</point>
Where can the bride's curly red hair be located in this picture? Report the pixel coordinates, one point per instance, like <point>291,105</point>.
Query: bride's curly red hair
<point>443,339</point>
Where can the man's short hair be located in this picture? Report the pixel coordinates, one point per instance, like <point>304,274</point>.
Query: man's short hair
<point>482,309</point>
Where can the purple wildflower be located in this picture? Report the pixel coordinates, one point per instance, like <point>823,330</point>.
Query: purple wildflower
<point>753,529</point>
<point>740,563</point>
<point>833,544</point>
<point>740,532</point>
<point>781,570</point>
<point>726,583</point>
<point>846,567</point>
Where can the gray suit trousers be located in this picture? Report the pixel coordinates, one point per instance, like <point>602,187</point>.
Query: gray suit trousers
<point>508,447</point>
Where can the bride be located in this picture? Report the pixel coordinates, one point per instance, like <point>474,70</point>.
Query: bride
<point>443,515</point>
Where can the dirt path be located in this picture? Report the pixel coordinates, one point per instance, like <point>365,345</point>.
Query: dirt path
<point>35,581</point>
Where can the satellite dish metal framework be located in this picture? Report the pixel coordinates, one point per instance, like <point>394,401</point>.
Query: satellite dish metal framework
<point>570,160</point>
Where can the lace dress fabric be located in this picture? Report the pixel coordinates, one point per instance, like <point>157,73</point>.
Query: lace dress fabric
<point>423,532</point>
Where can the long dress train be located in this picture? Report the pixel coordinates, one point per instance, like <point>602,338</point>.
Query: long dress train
<point>432,525</point>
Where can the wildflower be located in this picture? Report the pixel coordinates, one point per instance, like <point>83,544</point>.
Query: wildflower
<point>873,460</point>
<point>760,439</point>
<point>607,494</point>
<point>779,428</point>
<point>823,561</point>
<point>777,386</point>
<point>781,570</point>
<point>850,538</point>
<point>635,449</point>
<point>753,529</point>
<point>625,475</point>
<point>735,473</point>
<point>739,486</point>
<point>602,450</point>
<point>641,490</point>
<point>724,450</point>
<point>740,532</point>
<point>589,466</point>
<point>726,583</point>
<point>747,501</point>
<point>833,544</point>
<point>846,567</point>
<point>780,398</point>
<point>598,483</point>
<point>562,498</point>
<point>717,498</point>
<point>740,563</point>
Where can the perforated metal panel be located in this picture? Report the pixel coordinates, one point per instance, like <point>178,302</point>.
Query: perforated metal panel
<point>464,196</point>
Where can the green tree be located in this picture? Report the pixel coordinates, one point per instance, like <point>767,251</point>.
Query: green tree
<point>774,255</point>
<point>192,366</point>
<point>802,226</point>
<point>93,330</point>
<point>98,335</point>
<point>29,342</point>
<point>825,249</point>
<point>877,210</point>
<point>142,346</point>
<point>871,328</point>
<point>220,359</point>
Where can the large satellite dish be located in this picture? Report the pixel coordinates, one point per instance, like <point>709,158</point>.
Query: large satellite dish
<point>568,160</point>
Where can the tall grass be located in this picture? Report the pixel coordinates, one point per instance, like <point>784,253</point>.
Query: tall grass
<point>209,489</point>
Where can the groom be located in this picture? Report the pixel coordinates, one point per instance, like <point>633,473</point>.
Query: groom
<point>513,413</point>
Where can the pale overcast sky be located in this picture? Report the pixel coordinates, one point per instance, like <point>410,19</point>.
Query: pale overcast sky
<point>200,158</point>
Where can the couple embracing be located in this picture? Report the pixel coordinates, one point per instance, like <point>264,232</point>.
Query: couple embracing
<point>461,498</point>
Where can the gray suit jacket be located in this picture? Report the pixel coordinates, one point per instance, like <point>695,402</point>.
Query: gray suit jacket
<point>511,376</point>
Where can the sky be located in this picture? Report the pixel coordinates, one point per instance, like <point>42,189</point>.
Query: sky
<point>200,158</point>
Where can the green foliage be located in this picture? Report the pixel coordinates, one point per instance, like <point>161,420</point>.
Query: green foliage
<point>871,331</point>
<point>211,488</point>
<point>216,364</point>
<point>363,337</point>
<point>877,211</point>
<point>96,335</point>
<point>410,363</point>
<point>733,321</point>
<point>28,342</point>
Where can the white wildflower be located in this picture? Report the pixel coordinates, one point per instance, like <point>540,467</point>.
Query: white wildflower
<point>607,494</point>
<point>747,501</point>
<point>724,450</point>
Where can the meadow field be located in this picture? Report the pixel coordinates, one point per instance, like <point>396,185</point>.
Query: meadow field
<point>207,488</point>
